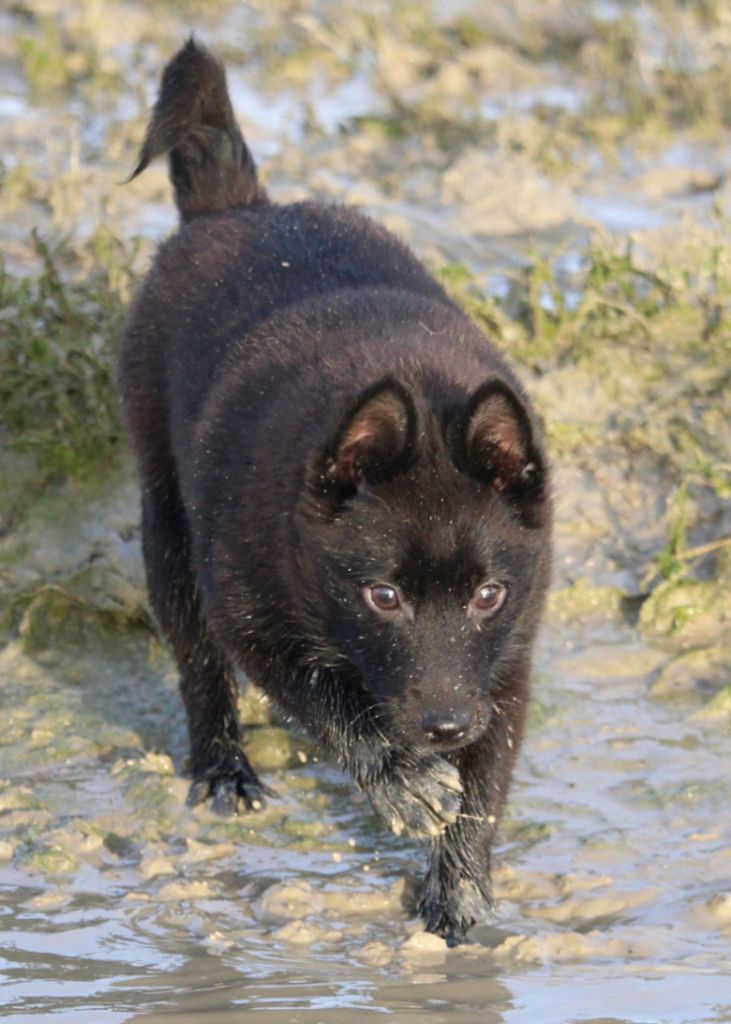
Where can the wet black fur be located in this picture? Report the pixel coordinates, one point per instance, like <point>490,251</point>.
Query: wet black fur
<point>312,414</point>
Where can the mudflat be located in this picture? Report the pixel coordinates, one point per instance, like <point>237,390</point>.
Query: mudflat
<point>565,178</point>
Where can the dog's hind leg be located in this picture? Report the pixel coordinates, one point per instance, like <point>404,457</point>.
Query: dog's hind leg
<point>207,682</point>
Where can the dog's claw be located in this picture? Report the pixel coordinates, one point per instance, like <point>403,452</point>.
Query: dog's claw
<point>226,793</point>
<point>199,791</point>
<point>225,798</point>
<point>229,780</point>
<point>451,908</point>
<point>420,797</point>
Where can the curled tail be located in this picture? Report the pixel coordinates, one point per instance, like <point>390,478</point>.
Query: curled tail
<point>193,122</point>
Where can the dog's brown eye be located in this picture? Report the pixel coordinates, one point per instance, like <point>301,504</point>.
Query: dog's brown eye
<point>383,597</point>
<point>488,598</point>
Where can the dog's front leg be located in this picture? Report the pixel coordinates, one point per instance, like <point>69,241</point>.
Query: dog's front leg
<point>413,792</point>
<point>457,891</point>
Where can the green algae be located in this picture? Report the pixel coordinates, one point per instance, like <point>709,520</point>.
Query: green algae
<point>55,615</point>
<point>51,861</point>
<point>526,833</point>
<point>272,748</point>
<point>691,611</point>
<point>57,399</point>
<point>694,673</point>
<point>584,600</point>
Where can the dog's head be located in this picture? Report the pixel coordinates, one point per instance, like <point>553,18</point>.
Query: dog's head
<point>425,553</point>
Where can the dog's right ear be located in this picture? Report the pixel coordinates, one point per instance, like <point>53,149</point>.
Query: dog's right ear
<point>373,441</point>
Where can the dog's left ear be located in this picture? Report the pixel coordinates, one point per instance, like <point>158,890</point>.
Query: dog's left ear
<point>495,442</point>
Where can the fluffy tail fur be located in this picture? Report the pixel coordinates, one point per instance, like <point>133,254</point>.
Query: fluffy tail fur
<point>193,122</point>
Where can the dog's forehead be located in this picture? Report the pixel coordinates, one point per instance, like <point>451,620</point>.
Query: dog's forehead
<point>450,546</point>
<point>434,534</point>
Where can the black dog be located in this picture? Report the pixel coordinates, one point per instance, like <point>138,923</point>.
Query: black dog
<point>344,492</point>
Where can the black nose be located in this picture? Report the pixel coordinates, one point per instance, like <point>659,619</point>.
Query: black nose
<point>446,727</point>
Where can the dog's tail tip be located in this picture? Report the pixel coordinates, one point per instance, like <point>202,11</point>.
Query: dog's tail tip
<point>193,122</point>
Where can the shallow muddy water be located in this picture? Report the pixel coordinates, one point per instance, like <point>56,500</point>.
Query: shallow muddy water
<point>612,877</point>
<point>613,872</point>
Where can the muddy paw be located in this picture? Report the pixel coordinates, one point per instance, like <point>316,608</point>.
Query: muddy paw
<point>417,796</point>
<point>227,781</point>
<point>451,908</point>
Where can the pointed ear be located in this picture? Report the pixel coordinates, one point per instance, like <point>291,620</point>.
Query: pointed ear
<point>496,444</point>
<point>373,441</point>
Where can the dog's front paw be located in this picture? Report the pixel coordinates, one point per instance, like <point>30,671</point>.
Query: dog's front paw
<point>228,779</point>
<point>419,796</point>
<point>450,907</point>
